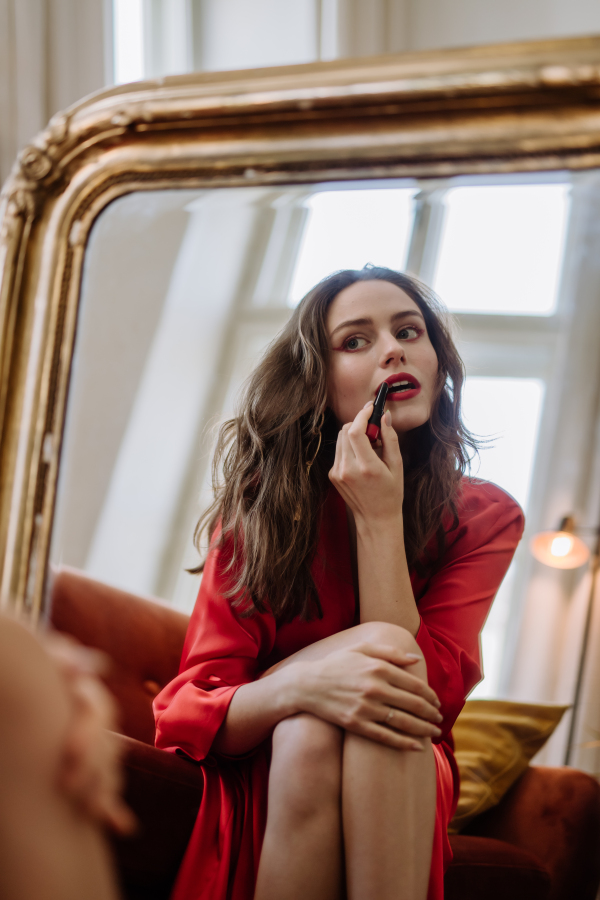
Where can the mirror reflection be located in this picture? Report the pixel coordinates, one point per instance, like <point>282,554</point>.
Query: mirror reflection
<point>184,290</point>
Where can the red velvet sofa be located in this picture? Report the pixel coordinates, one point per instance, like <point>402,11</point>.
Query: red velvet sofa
<point>541,841</point>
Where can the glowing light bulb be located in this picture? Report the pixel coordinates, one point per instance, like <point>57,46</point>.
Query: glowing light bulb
<point>559,549</point>
<point>561,545</point>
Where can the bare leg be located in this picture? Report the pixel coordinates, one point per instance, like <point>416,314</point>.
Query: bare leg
<point>48,850</point>
<point>302,850</point>
<point>388,799</point>
<point>388,802</point>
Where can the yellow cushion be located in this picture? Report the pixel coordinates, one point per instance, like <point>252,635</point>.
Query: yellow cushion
<point>494,741</point>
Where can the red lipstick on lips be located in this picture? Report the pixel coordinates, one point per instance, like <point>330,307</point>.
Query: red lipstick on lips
<point>402,386</point>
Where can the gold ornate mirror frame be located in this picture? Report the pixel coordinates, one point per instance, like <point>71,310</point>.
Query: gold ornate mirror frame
<point>519,107</point>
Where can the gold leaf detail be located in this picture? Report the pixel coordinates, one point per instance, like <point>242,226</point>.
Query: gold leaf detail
<point>34,163</point>
<point>122,118</point>
<point>58,128</point>
<point>21,203</point>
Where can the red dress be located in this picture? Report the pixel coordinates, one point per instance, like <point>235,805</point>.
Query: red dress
<point>223,651</point>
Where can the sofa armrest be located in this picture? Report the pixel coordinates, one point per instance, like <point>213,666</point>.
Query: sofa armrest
<point>484,867</point>
<point>553,813</point>
<point>164,792</point>
<point>142,636</point>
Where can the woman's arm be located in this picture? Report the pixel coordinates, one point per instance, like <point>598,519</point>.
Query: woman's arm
<point>373,488</point>
<point>455,601</point>
<point>338,679</point>
<point>385,590</point>
<point>254,711</point>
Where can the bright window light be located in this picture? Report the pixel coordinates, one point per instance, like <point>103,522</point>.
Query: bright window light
<point>347,229</point>
<point>507,410</point>
<point>502,247</point>
<point>128,40</point>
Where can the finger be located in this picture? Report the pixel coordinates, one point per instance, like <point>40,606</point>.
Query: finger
<point>400,720</point>
<point>400,696</point>
<point>79,756</point>
<point>98,794</point>
<point>104,801</point>
<point>87,751</point>
<point>415,704</point>
<point>82,772</point>
<point>357,434</point>
<point>361,419</point>
<point>397,674</point>
<point>121,818</point>
<point>347,454</point>
<point>388,652</point>
<point>391,454</point>
<point>334,472</point>
<point>425,699</point>
<point>73,658</point>
<point>388,736</point>
<point>406,701</point>
<point>109,809</point>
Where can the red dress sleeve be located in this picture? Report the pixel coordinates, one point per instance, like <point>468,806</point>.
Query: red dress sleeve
<point>220,653</point>
<point>454,602</point>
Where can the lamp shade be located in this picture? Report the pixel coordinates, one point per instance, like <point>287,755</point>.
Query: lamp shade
<point>559,549</point>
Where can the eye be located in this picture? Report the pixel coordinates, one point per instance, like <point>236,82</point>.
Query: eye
<point>409,333</point>
<point>355,343</point>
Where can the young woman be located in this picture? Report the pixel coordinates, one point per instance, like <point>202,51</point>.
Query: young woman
<point>336,632</point>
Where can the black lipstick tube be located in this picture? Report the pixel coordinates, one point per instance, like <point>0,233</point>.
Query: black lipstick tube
<point>374,426</point>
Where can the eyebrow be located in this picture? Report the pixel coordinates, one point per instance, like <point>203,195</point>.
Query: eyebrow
<point>352,323</point>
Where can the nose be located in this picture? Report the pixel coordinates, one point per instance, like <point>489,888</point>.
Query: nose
<point>393,351</point>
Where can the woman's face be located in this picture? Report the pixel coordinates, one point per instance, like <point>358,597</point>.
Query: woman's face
<point>377,333</point>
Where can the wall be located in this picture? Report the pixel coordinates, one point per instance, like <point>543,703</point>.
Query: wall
<point>236,33</point>
<point>52,53</point>
<point>458,23</point>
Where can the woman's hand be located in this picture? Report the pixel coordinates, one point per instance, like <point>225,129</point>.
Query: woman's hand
<point>90,772</point>
<point>366,689</point>
<point>370,481</point>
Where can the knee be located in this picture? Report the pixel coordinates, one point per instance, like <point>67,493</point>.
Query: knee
<point>306,766</point>
<point>386,633</point>
<point>395,636</point>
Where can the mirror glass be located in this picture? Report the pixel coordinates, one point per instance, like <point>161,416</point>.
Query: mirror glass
<point>183,290</point>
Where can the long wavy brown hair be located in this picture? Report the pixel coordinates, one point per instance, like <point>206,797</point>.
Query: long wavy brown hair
<point>267,503</point>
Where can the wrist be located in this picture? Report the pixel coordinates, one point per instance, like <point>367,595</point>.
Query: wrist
<point>380,528</point>
<point>292,689</point>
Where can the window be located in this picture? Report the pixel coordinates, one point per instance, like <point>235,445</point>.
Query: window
<point>347,229</point>
<point>153,38</point>
<point>508,412</point>
<point>501,248</point>
<point>128,40</point>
